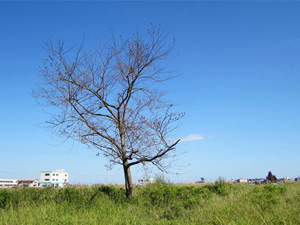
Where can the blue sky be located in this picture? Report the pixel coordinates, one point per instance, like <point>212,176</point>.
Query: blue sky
<point>239,85</point>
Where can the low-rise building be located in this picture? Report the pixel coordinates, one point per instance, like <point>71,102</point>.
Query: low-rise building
<point>143,182</point>
<point>201,181</point>
<point>287,179</point>
<point>57,178</point>
<point>242,181</point>
<point>28,182</point>
<point>257,181</point>
<point>8,183</point>
<point>189,182</point>
<point>230,181</point>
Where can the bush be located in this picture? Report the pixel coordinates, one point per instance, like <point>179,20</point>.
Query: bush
<point>4,198</point>
<point>171,195</point>
<point>114,193</point>
<point>268,195</point>
<point>220,187</point>
<point>72,195</point>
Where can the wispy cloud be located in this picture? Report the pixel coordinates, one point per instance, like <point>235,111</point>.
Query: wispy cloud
<point>192,137</point>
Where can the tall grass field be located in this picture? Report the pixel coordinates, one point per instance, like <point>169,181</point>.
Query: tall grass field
<point>220,203</point>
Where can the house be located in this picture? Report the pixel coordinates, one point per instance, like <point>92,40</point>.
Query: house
<point>8,183</point>
<point>57,178</point>
<point>28,182</point>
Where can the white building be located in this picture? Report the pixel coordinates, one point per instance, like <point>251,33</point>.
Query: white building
<point>287,179</point>
<point>242,181</point>
<point>57,178</point>
<point>143,182</point>
<point>8,183</point>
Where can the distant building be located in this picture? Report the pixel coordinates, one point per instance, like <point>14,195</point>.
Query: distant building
<point>28,182</point>
<point>287,179</point>
<point>242,181</point>
<point>189,182</point>
<point>143,182</point>
<point>230,181</point>
<point>257,181</point>
<point>58,178</point>
<point>201,181</point>
<point>8,183</point>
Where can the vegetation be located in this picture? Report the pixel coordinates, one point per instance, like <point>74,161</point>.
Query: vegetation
<point>162,203</point>
<point>110,100</point>
<point>271,177</point>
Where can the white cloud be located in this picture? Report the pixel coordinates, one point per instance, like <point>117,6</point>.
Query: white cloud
<point>192,137</point>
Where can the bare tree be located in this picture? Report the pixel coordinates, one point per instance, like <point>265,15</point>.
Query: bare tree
<point>108,99</point>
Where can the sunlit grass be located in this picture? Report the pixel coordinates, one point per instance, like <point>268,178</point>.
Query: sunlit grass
<point>160,204</point>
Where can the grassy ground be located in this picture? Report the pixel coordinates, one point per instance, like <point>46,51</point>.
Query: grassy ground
<point>160,204</point>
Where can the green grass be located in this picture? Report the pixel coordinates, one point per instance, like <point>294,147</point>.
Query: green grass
<point>159,204</point>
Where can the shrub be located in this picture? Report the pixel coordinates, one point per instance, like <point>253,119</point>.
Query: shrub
<point>4,198</point>
<point>268,195</point>
<point>172,196</point>
<point>220,187</point>
<point>114,193</point>
<point>70,194</point>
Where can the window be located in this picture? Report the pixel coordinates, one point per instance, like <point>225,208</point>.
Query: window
<point>66,175</point>
<point>46,179</point>
<point>53,174</point>
<point>56,174</point>
<point>47,174</point>
<point>56,179</point>
<point>53,179</point>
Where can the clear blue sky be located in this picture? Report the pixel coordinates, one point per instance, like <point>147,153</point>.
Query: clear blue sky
<point>239,85</point>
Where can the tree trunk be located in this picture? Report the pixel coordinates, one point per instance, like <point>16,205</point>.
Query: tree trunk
<point>128,180</point>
